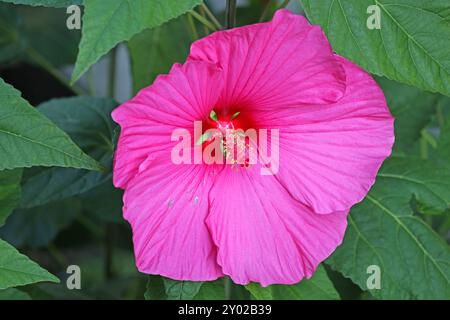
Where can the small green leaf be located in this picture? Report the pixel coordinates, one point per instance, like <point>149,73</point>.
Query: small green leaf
<point>235,115</point>
<point>319,287</point>
<point>18,270</point>
<point>27,138</point>
<point>213,116</point>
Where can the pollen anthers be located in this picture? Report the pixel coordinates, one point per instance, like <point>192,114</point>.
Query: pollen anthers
<point>235,144</point>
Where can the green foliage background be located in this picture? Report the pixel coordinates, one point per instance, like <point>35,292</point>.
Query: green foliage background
<point>57,203</point>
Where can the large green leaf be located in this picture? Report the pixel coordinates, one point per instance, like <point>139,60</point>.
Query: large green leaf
<point>412,110</point>
<point>382,230</point>
<point>46,3</point>
<point>38,226</point>
<point>319,287</point>
<point>27,138</point>
<point>88,122</point>
<point>9,192</point>
<point>154,51</point>
<point>409,47</point>
<point>106,23</point>
<point>17,270</point>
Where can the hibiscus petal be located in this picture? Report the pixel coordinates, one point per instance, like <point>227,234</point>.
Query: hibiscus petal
<point>330,155</point>
<point>176,100</point>
<point>263,64</point>
<point>166,205</point>
<point>263,234</point>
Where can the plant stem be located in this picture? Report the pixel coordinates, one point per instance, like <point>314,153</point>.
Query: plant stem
<point>231,14</point>
<point>211,16</point>
<point>205,28</point>
<point>267,7</point>
<point>440,115</point>
<point>112,73</point>
<point>265,11</point>
<point>191,23</point>
<point>284,4</point>
<point>42,62</point>
<point>90,80</point>
<point>202,20</point>
<point>228,288</point>
<point>429,138</point>
<point>109,250</point>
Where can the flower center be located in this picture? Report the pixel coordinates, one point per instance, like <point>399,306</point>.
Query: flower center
<point>234,144</point>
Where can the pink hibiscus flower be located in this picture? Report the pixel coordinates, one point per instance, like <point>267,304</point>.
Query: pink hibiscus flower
<point>200,222</point>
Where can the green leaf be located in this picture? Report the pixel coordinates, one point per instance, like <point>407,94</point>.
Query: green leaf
<point>382,230</point>
<point>104,202</point>
<point>28,139</point>
<point>155,288</point>
<point>160,288</point>
<point>13,294</point>
<point>212,290</point>
<point>9,192</point>
<point>38,226</point>
<point>17,270</point>
<point>154,51</point>
<point>88,122</point>
<point>319,287</point>
<point>213,116</point>
<point>408,47</point>
<point>46,3</point>
<point>23,36</point>
<point>181,290</point>
<point>106,23</point>
<point>11,27</point>
<point>412,110</point>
